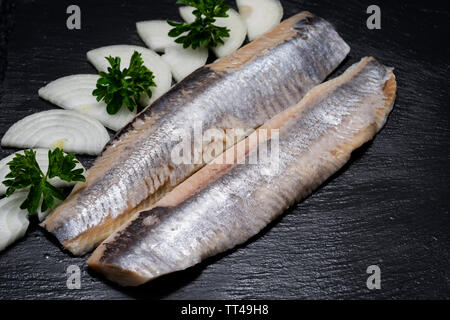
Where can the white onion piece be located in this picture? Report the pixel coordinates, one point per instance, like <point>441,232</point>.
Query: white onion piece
<point>183,62</point>
<point>70,130</point>
<point>233,22</point>
<point>13,220</point>
<point>152,61</point>
<point>75,93</point>
<point>42,215</point>
<point>42,160</point>
<point>260,16</point>
<point>155,34</point>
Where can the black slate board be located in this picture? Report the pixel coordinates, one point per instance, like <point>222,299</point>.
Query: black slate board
<point>389,206</point>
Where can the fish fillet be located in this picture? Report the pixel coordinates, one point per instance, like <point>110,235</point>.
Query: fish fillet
<point>243,90</point>
<point>316,138</point>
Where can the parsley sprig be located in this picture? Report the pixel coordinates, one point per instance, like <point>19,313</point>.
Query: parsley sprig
<point>25,172</point>
<point>124,87</point>
<point>202,32</point>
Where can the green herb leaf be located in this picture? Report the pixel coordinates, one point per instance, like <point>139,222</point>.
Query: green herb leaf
<point>119,88</point>
<point>202,32</point>
<point>63,166</point>
<point>25,172</point>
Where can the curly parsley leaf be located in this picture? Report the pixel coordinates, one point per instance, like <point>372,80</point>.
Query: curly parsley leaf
<point>25,172</point>
<point>119,88</point>
<point>202,32</point>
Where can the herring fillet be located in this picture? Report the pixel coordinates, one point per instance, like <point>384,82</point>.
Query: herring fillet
<point>243,90</point>
<point>317,139</point>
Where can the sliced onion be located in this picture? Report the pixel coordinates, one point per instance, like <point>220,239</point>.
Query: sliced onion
<point>183,62</point>
<point>155,34</point>
<point>234,22</point>
<point>75,93</point>
<point>42,160</point>
<point>152,61</point>
<point>13,220</point>
<point>260,16</point>
<point>42,215</point>
<point>70,130</point>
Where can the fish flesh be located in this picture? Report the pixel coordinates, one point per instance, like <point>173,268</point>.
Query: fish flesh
<point>316,138</point>
<point>243,90</point>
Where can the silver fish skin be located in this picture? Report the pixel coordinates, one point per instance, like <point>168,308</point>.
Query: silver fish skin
<point>316,139</point>
<point>243,90</point>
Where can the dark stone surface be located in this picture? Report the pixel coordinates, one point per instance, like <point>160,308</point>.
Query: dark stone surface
<point>389,206</point>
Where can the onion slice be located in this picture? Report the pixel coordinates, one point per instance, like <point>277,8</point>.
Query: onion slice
<point>155,34</point>
<point>75,93</point>
<point>152,61</point>
<point>42,160</point>
<point>182,62</point>
<point>260,16</point>
<point>70,130</point>
<point>234,22</point>
<point>13,220</point>
<point>42,215</point>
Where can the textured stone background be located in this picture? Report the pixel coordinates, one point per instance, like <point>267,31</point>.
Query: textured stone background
<point>389,206</point>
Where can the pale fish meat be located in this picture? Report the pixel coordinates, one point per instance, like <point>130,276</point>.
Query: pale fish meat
<point>243,90</point>
<point>316,138</point>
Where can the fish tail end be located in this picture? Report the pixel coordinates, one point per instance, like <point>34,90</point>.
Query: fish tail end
<point>390,93</point>
<point>123,277</point>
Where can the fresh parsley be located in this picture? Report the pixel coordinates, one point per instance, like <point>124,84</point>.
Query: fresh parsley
<point>124,87</point>
<point>25,172</point>
<point>202,32</point>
